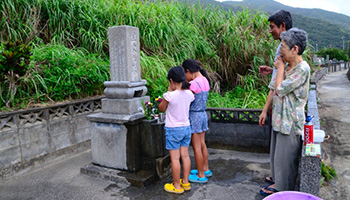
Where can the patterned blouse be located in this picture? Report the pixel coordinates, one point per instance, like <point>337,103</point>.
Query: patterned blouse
<point>289,100</point>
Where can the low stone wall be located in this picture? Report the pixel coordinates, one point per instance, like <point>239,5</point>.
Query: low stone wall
<point>237,129</point>
<point>34,136</point>
<point>335,66</point>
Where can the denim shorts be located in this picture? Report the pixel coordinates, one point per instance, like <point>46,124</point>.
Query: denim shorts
<point>177,136</point>
<point>199,121</point>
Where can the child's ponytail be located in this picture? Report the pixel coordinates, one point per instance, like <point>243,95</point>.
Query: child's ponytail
<point>195,66</point>
<point>185,85</point>
<point>205,74</point>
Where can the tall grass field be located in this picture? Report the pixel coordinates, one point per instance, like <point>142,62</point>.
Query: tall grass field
<point>70,60</point>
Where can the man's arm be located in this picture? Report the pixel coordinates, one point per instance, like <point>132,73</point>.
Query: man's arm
<point>265,70</point>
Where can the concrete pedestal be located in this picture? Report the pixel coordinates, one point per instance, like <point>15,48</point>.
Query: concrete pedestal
<point>116,141</point>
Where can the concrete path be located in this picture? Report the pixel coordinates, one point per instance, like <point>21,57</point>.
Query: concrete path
<point>334,110</point>
<point>236,176</point>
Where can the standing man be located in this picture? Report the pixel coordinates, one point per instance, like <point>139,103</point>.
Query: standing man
<point>279,21</point>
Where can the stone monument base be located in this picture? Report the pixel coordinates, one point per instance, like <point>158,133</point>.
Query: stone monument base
<point>140,179</point>
<point>157,169</point>
<point>116,140</point>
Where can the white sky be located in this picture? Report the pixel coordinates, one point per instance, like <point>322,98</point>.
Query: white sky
<point>338,6</point>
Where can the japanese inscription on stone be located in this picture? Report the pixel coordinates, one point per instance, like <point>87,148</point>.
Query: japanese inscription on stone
<point>124,53</point>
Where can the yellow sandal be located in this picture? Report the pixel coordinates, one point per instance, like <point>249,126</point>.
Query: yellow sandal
<point>169,187</point>
<point>186,186</point>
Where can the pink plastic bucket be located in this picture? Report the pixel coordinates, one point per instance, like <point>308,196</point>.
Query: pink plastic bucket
<point>291,195</point>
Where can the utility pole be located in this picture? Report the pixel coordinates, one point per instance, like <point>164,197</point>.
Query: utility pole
<point>316,47</point>
<point>343,42</point>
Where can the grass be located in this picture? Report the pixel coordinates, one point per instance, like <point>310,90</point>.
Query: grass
<point>57,73</point>
<point>230,45</point>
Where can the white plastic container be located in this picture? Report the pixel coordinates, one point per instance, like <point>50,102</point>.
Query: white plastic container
<point>318,136</point>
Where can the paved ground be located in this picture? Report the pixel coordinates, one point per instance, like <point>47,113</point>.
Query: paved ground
<point>334,110</point>
<point>236,175</point>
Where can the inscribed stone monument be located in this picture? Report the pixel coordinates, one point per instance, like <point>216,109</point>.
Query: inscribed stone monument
<point>115,141</point>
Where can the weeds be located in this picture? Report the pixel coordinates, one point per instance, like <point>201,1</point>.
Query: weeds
<point>230,45</point>
<point>57,73</point>
<point>14,61</point>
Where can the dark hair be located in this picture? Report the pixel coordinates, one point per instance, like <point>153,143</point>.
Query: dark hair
<point>195,66</point>
<point>177,74</point>
<point>281,16</point>
<point>295,36</point>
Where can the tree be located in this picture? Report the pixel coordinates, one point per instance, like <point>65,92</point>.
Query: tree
<point>334,53</point>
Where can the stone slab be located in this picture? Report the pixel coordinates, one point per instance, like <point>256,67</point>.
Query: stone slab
<point>124,53</point>
<point>163,167</point>
<point>140,179</point>
<point>108,143</point>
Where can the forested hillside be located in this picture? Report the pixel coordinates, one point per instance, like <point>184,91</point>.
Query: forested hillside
<point>324,28</point>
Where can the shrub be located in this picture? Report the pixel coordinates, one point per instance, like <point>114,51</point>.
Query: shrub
<point>14,61</point>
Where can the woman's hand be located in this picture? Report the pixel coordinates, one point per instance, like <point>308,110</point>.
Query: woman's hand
<point>279,64</point>
<point>262,118</point>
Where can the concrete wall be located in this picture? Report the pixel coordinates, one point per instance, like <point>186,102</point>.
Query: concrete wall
<point>237,129</point>
<point>34,136</point>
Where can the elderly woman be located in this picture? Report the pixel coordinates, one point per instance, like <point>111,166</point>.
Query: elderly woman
<point>290,86</point>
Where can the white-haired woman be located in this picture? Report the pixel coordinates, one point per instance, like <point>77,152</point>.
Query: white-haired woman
<point>290,86</point>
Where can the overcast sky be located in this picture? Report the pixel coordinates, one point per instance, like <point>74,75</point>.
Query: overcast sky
<point>339,6</point>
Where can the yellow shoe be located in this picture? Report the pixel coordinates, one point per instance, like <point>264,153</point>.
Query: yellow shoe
<point>169,187</point>
<point>186,186</point>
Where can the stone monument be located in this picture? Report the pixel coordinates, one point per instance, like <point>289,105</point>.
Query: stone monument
<point>115,132</point>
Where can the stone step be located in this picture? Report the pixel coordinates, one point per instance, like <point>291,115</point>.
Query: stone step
<point>141,178</point>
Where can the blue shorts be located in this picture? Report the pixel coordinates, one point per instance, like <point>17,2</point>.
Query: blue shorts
<point>177,136</point>
<point>199,121</point>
